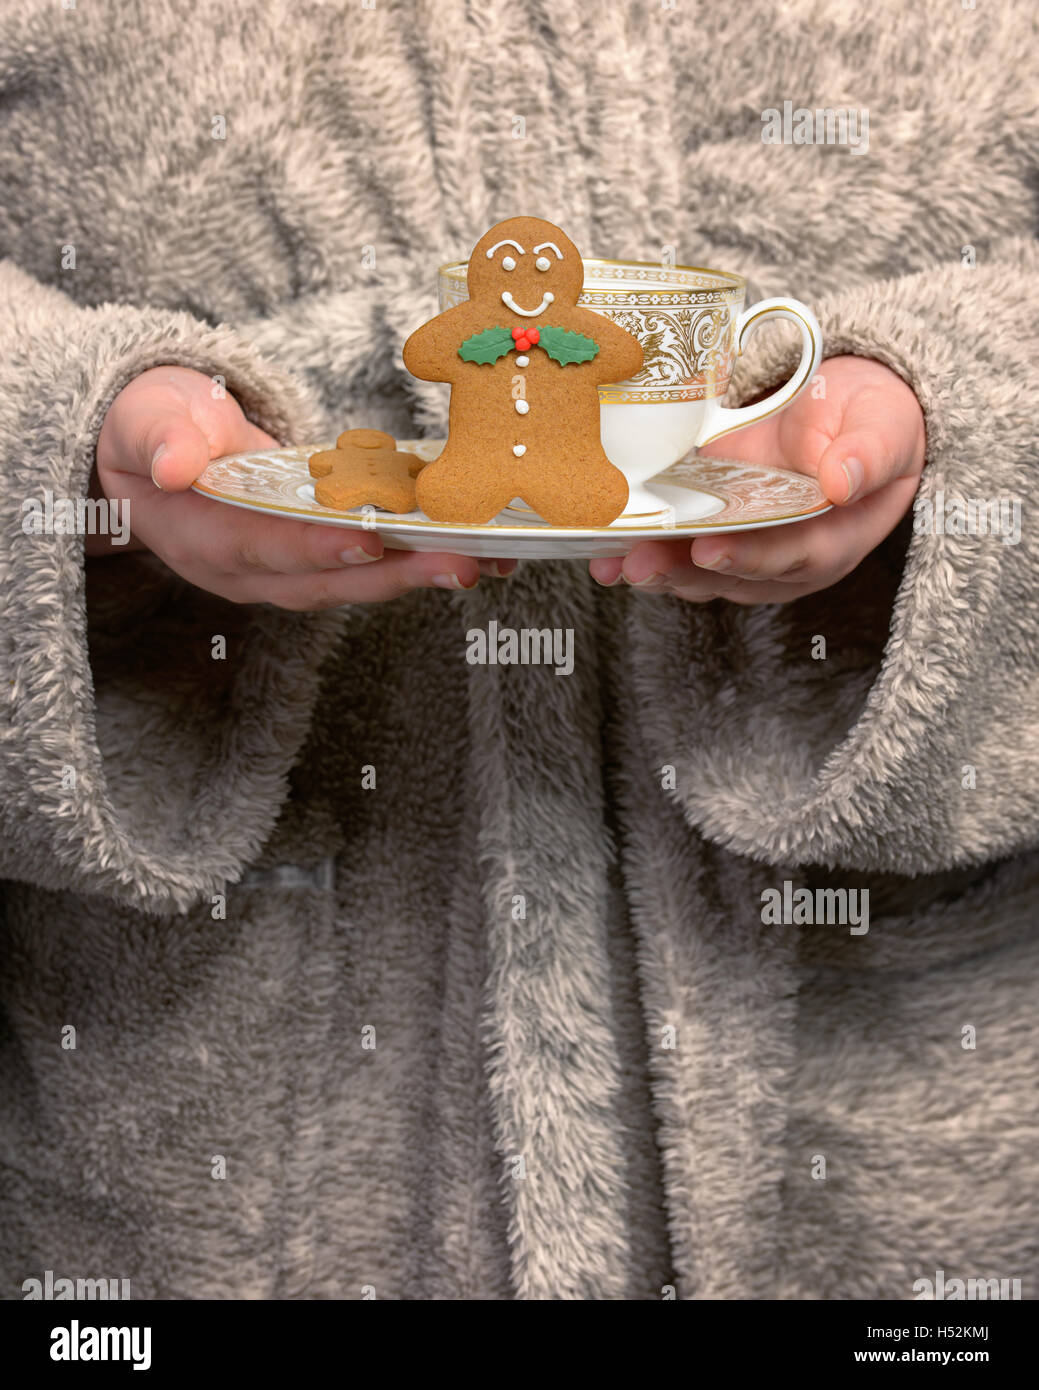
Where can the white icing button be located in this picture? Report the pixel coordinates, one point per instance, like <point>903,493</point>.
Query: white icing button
<point>522,407</point>
<point>522,361</point>
<point>542,263</point>
<point>508,263</point>
<point>519,450</point>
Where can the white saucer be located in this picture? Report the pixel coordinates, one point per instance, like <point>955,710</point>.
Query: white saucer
<point>702,497</point>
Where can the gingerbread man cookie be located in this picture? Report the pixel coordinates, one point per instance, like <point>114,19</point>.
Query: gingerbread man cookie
<point>365,468</point>
<point>524,363</point>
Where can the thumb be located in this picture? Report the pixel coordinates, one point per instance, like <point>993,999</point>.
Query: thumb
<point>174,451</point>
<point>875,446</point>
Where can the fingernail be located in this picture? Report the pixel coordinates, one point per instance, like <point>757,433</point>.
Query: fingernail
<point>720,562</point>
<point>451,581</point>
<point>608,584</point>
<point>162,449</point>
<point>651,581</point>
<point>357,556</point>
<point>853,471</point>
<point>494,570</point>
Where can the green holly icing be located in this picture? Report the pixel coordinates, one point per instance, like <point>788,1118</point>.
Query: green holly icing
<point>565,347</point>
<point>560,343</point>
<point>487,346</point>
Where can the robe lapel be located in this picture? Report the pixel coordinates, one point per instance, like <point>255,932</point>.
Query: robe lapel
<point>718,987</point>
<point>542,860</point>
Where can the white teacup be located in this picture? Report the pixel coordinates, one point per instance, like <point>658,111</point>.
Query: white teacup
<point>692,327</point>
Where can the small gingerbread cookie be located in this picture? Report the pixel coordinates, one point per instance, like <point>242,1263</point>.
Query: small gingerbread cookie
<point>365,468</point>
<point>524,363</point>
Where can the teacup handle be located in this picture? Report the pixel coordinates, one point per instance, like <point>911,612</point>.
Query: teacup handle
<point>719,419</point>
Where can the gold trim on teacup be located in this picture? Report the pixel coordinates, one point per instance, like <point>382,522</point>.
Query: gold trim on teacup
<point>730,279</point>
<point>656,299</point>
<point>662,395</point>
<point>645,300</point>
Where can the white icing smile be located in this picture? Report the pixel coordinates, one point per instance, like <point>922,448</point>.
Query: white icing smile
<point>510,303</point>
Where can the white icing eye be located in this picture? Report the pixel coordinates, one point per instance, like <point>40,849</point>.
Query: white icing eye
<point>508,263</point>
<point>543,263</point>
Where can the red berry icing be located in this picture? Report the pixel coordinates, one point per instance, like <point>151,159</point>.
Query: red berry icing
<point>522,344</point>
<point>532,336</point>
<point>518,332</point>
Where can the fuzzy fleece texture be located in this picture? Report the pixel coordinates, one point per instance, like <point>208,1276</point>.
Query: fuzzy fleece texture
<point>626,1085</point>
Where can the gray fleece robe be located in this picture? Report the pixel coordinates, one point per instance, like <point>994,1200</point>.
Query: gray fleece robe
<point>509,1023</point>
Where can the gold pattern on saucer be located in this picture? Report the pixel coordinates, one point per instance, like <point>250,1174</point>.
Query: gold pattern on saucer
<point>278,480</point>
<point>518,509</point>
